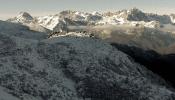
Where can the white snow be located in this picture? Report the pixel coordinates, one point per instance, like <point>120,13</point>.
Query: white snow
<point>119,18</point>
<point>172,18</point>
<point>48,22</point>
<point>74,34</point>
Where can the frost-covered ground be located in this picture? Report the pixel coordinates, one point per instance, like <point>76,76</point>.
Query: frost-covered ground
<point>33,67</point>
<point>75,34</point>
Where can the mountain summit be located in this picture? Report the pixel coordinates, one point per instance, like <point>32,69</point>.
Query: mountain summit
<point>24,16</point>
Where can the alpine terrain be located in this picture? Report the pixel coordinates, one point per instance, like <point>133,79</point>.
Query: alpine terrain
<point>76,55</point>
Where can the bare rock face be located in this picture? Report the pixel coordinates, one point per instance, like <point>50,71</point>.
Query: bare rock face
<point>137,15</point>
<point>71,68</point>
<point>24,16</point>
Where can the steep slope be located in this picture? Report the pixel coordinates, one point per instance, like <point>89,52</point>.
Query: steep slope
<point>145,38</point>
<point>18,30</point>
<point>137,15</point>
<point>169,50</point>
<point>26,19</point>
<point>70,18</point>
<point>163,65</point>
<point>48,22</point>
<point>23,17</point>
<point>172,16</point>
<point>71,68</point>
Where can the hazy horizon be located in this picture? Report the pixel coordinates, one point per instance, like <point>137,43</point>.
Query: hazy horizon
<point>39,7</point>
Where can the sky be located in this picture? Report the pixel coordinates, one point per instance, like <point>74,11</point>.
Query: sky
<point>11,8</point>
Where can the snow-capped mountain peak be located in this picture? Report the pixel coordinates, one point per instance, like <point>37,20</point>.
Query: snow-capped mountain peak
<point>131,17</point>
<point>24,17</point>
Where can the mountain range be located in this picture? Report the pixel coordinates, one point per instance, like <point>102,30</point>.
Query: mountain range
<point>87,56</point>
<point>131,27</point>
<point>133,17</point>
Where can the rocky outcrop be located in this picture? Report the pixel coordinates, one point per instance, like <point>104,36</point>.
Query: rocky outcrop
<point>137,15</point>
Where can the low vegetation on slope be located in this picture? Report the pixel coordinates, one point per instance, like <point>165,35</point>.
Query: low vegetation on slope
<point>71,68</point>
<point>162,65</point>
